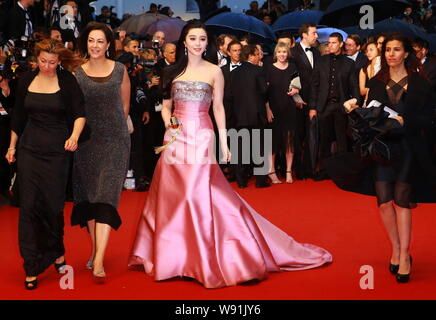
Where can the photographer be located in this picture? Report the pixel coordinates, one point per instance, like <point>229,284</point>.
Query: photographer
<point>108,17</point>
<point>20,20</point>
<point>158,42</point>
<point>136,68</point>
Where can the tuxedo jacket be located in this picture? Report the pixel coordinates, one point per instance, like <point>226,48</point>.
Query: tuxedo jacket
<point>68,34</point>
<point>304,68</point>
<point>430,71</point>
<point>247,95</point>
<point>16,26</point>
<point>348,85</point>
<point>227,74</point>
<point>361,61</point>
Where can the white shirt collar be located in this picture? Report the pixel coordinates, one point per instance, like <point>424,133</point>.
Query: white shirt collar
<point>21,6</point>
<point>354,56</point>
<point>423,60</point>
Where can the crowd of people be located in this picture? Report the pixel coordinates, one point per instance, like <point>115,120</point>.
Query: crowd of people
<point>309,95</point>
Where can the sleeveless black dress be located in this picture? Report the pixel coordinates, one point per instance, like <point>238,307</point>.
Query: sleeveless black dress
<point>42,176</point>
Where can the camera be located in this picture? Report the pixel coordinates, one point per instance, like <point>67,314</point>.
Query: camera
<point>155,44</point>
<point>140,96</point>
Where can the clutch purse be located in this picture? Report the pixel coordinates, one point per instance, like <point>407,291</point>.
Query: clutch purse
<point>174,124</point>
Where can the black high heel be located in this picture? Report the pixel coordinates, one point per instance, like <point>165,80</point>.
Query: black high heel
<point>59,266</point>
<point>393,268</point>
<point>31,285</point>
<point>404,278</point>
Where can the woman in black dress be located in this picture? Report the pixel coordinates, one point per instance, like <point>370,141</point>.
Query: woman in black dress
<point>48,118</point>
<point>281,109</point>
<point>402,87</point>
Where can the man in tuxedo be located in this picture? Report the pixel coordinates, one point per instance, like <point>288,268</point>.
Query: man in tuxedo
<point>306,57</point>
<point>169,58</point>
<point>247,96</point>
<point>69,24</point>
<point>333,83</point>
<point>234,50</point>
<point>352,50</point>
<point>20,20</point>
<point>222,42</point>
<point>421,47</point>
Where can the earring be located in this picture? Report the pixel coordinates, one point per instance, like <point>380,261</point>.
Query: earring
<point>204,52</point>
<point>186,51</point>
<point>107,53</point>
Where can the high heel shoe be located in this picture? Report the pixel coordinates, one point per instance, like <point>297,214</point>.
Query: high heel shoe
<point>291,180</point>
<point>393,268</point>
<point>99,276</point>
<point>60,266</point>
<point>31,285</point>
<point>404,278</point>
<point>274,181</point>
<point>89,265</point>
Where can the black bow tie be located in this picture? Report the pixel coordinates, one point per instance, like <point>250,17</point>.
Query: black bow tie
<point>308,49</point>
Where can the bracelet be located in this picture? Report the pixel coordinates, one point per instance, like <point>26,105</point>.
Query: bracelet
<point>11,149</point>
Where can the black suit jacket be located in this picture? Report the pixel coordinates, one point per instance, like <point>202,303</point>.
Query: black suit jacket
<point>348,85</point>
<point>247,95</point>
<point>430,71</point>
<point>227,74</point>
<point>68,34</point>
<point>304,69</point>
<point>17,22</point>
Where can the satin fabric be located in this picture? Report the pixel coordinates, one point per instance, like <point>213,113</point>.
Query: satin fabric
<point>195,225</point>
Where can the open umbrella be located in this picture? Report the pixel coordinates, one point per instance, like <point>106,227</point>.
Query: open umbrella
<point>240,24</point>
<point>345,13</point>
<point>432,39</point>
<point>140,21</point>
<point>390,25</point>
<point>293,20</point>
<point>324,33</point>
<point>172,28</point>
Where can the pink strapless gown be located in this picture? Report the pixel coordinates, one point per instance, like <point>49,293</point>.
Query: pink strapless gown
<point>195,225</point>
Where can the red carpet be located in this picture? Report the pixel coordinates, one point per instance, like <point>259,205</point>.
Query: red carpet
<point>346,224</point>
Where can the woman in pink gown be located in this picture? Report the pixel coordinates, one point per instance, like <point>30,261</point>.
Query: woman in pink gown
<point>194,224</point>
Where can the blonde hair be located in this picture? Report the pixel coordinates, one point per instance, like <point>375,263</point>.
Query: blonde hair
<point>69,59</point>
<point>279,46</point>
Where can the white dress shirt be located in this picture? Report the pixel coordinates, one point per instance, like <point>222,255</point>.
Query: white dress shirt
<point>308,53</point>
<point>29,26</point>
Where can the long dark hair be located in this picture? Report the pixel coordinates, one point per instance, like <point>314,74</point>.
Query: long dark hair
<point>83,39</point>
<point>179,67</point>
<point>411,63</point>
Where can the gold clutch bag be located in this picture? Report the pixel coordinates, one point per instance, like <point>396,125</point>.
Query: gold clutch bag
<point>174,124</point>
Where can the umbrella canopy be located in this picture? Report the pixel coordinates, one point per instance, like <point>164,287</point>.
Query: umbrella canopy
<point>390,25</point>
<point>138,22</point>
<point>293,20</point>
<point>432,39</point>
<point>345,13</point>
<point>172,28</point>
<point>240,24</point>
<point>324,33</point>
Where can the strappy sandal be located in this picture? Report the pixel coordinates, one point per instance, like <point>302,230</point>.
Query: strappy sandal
<point>289,181</point>
<point>274,181</point>
<point>31,285</point>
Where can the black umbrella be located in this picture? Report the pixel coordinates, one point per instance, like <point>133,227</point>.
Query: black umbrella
<point>240,24</point>
<point>345,13</point>
<point>293,20</point>
<point>389,25</point>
